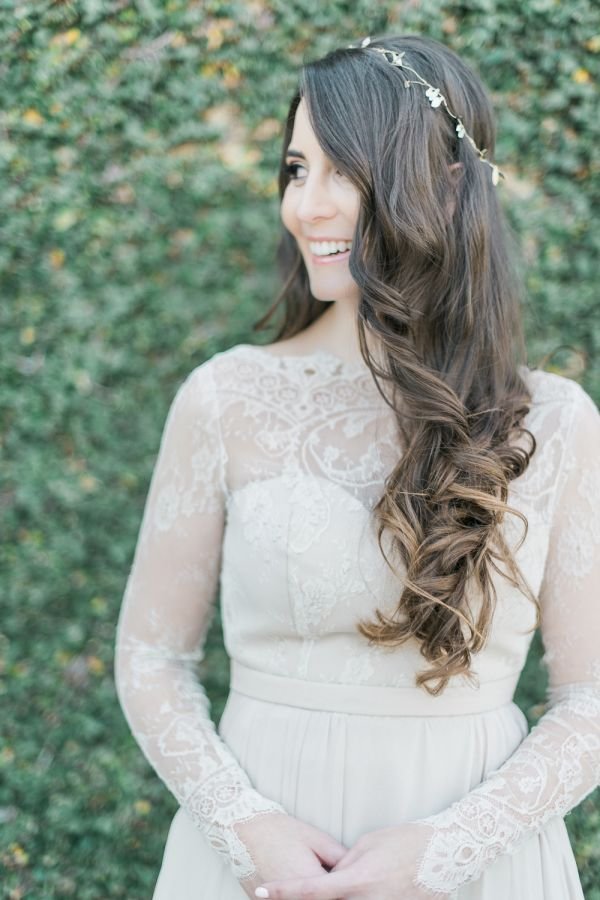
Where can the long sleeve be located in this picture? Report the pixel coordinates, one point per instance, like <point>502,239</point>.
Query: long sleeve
<point>558,762</point>
<point>167,608</point>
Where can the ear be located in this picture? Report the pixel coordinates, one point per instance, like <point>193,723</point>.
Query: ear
<point>455,174</point>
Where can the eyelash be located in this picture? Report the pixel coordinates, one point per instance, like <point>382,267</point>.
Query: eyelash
<point>289,169</point>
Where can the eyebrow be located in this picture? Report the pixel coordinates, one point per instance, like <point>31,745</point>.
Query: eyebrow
<point>292,152</point>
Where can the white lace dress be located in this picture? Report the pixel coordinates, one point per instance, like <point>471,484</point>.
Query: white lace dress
<point>268,468</point>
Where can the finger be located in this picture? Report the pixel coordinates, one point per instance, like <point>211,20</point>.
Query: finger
<point>328,849</point>
<point>346,860</point>
<point>320,887</point>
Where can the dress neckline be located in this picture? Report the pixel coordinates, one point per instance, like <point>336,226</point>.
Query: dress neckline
<point>320,358</point>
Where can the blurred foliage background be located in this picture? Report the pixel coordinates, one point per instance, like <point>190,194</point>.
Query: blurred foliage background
<point>139,145</point>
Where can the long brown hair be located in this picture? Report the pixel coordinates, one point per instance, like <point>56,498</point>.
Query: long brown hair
<point>440,293</point>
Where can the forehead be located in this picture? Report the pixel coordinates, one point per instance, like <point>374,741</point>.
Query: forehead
<point>303,137</point>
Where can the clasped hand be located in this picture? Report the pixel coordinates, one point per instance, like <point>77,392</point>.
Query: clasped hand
<point>381,865</point>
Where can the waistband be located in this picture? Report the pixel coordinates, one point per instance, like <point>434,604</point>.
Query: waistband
<point>369,699</point>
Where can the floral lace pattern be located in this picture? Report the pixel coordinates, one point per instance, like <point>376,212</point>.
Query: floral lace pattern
<point>266,473</point>
<point>166,612</point>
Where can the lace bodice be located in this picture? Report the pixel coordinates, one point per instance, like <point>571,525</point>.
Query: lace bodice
<point>266,475</point>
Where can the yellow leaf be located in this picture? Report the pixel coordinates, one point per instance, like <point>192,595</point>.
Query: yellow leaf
<point>27,335</point>
<point>142,807</point>
<point>593,44</point>
<point>225,114</point>
<point>215,30</point>
<point>209,70</point>
<point>57,258</point>
<point>19,856</point>
<point>7,754</point>
<point>239,156</point>
<point>231,75</point>
<point>33,117</point>
<point>581,76</point>
<point>267,129</point>
<point>186,150</point>
<point>66,38</point>
<point>95,665</point>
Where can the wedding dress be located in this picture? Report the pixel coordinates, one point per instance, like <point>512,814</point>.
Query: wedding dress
<point>268,468</point>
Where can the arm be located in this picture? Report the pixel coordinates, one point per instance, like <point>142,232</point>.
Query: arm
<point>166,612</point>
<point>558,763</point>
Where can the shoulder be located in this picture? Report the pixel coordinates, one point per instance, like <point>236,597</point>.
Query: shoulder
<point>208,374</point>
<point>216,377</point>
<point>553,389</point>
<point>566,417</point>
<point>558,399</point>
<point>196,392</point>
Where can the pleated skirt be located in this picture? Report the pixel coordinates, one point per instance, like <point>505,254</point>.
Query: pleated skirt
<point>348,773</point>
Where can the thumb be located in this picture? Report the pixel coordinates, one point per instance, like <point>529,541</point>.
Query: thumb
<point>318,887</point>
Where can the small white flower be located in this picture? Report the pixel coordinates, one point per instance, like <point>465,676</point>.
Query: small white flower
<point>434,96</point>
<point>397,58</point>
<point>460,129</point>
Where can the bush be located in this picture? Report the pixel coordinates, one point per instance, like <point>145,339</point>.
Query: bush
<point>139,170</point>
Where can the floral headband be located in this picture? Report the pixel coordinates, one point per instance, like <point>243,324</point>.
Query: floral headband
<point>434,96</point>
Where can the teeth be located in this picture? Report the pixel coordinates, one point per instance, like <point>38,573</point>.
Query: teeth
<point>324,248</point>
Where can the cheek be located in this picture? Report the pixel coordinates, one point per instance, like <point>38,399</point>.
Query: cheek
<point>352,204</point>
<point>287,210</point>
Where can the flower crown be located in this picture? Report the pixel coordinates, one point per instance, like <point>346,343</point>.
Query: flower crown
<point>434,96</point>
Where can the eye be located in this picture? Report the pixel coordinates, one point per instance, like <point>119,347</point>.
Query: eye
<point>290,170</point>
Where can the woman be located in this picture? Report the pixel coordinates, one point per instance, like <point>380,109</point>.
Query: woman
<point>390,501</point>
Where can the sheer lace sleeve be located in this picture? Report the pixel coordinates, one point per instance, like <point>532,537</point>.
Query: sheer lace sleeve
<point>558,762</point>
<point>166,611</point>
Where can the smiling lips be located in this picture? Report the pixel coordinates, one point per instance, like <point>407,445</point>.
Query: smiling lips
<point>329,251</point>
<point>332,258</point>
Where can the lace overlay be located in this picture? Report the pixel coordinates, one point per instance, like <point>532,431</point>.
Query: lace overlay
<point>267,471</point>
<point>166,613</point>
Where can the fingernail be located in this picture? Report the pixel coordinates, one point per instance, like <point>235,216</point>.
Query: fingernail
<point>261,892</point>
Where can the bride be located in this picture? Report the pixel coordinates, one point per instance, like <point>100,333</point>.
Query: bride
<point>388,501</point>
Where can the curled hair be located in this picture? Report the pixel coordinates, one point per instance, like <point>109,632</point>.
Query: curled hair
<point>439,293</point>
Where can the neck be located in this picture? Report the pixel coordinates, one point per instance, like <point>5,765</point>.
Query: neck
<point>336,330</point>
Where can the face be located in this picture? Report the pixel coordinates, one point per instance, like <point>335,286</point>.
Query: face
<point>319,204</point>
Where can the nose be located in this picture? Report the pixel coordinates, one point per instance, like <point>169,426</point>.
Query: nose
<point>315,201</point>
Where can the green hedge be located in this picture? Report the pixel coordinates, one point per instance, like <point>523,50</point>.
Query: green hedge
<point>138,153</point>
